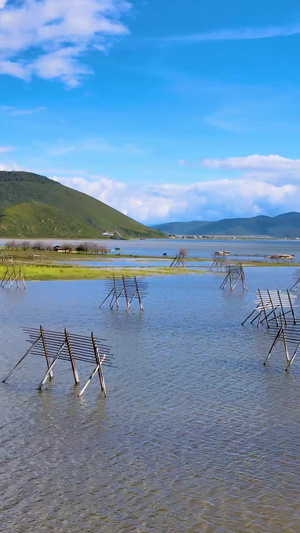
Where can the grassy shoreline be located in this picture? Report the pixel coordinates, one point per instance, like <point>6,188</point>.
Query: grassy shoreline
<point>49,265</point>
<point>73,273</point>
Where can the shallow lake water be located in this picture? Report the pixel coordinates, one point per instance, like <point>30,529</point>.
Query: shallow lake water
<point>195,433</point>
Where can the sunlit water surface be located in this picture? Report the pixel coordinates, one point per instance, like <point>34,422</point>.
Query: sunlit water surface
<point>194,435</point>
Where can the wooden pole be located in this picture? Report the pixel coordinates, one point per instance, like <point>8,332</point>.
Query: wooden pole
<point>252,312</point>
<point>273,344</point>
<point>48,361</point>
<point>22,358</point>
<point>51,366</point>
<point>232,284</point>
<point>126,294</point>
<point>245,288</point>
<point>74,369</point>
<point>291,304</point>
<point>139,295</point>
<point>273,308</point>
<point>98,362</point>
<point>116,292</point>
<point>223,284</point>
<point>287,355</point>
<point>282,309</point>
<point>106,298</point>
<point>293,357</point>
<point>4,276</point>
<point>88,381</point>
<point>264,309</point>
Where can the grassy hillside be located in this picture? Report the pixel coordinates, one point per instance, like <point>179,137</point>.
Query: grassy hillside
<point>34,206</point>
<point>286,225</point>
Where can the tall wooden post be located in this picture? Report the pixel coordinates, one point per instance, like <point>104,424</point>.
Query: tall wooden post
<point>291,304</point>
<point>282,309</point>
<point>126,294</point>
<point>4,276</point>
<point>116,292</point>
<point>48,361</point>
<point>273,308</point>
<point>98,362</point>
<point>287,355</point>
<point>139,294</point>
<point>46,376</point>
<point>263,307</point>
<point>273,344</point>
<point>74,369</point>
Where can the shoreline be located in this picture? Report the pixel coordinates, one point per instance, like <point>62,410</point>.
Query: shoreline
<point>56,272</point>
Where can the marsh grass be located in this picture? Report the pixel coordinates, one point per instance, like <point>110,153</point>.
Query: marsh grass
<point>72,272</point>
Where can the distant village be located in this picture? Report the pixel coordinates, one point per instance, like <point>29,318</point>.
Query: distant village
<point>229,237</point>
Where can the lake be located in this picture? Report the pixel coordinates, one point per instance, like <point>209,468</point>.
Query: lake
<point>195,433</point>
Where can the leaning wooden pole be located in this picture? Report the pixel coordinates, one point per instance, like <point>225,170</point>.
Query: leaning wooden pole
<point>273,344</point>
<point>126,293</point>
<point>263,307</point>
<point>46,376</point>
<point>293,357</point>
<point>139,294</point>
<point>48,361</point>
<point>98,362</point>
<point>72,360</point>
<point>282,308</point>
<point>273,308</point>
<point>291,304</point>
<point>22,358</point>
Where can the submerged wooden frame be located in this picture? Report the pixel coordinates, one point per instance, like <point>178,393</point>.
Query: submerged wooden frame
<point>272,305</point>
<point>125,287</point>
<point>11,276</point>
<point>289,334</point>
<point>235,274</point>
<point>178,261</point>
<point>219,264</point>
<point>296,285</point>
<point>54,346</point>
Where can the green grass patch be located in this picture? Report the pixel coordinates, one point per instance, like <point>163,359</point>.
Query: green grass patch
<point>72,272</point>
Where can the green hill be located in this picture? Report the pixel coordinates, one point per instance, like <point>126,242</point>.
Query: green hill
<point>33,206</point>
<point>281,226</point>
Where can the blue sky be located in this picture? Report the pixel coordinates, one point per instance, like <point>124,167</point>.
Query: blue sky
<point>172,110</point>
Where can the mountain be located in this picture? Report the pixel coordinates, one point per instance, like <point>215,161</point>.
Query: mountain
<point>281,226</point>
<point>33,206</point>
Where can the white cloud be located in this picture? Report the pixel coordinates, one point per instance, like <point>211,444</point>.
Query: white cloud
<point>250,192</point>
<point>206,200</point>
<point>5,149</point>
<point>10,166</point>
<point>96,145</point>
<point>14,111</point>
<point>55,35</point>
<point>255,162</point>
<point>269,168</point>
<point>240,34</point>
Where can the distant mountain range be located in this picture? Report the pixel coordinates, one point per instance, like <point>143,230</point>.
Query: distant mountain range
<point>33,206</point>
<point>286,225</point>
